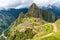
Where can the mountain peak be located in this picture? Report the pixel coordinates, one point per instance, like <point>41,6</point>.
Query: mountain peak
<point>34,11</point>
<point>33,5</point>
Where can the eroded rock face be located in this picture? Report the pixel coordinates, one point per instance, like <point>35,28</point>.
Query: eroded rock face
<point>34,11</point>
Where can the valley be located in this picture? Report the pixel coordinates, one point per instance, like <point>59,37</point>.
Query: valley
<point>35,24</point>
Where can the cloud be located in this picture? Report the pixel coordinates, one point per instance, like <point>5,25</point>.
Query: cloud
<point>25,3</point>
<point>6,4</point>
<point>46,3</point>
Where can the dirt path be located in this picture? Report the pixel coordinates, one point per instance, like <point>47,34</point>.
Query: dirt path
<point>55,27</point>
<point>3,35</point>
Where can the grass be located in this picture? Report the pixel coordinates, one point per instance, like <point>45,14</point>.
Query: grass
<point>32,20</point>
<point>55,36</point>
<point>44,34</point>
<point>47,28</point>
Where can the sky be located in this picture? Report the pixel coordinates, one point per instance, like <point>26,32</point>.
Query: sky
<point>6,4</point>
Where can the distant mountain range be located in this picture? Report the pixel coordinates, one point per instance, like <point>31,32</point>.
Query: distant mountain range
<point>8,16</point>
<point>56,10</point>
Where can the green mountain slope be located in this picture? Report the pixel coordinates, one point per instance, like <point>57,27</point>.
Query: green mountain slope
<point>36,24</point>
<point>34,11</point>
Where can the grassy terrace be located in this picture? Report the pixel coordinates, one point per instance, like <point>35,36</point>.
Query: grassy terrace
<point>55,36</point>
<point>33,29</point>
<point>47,28</point>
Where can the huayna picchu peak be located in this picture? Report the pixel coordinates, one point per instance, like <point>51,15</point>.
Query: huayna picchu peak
<point>36,24</point>
<point>34,11</point>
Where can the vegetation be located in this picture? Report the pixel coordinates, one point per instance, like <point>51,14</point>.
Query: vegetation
<point>36,24</point>
<point>29,30</point>
<point>55,36</point>
<point>34,11</point>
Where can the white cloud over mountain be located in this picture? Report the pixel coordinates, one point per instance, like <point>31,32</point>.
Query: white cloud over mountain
<point>26,3</point>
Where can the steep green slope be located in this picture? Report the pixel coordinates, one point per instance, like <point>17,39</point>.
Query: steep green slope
<point>34,11</point>
<point>29,29</point>
<point>15,23</point>
<point>5,21</point>
<point>34,25</point>
<point>55,36</point>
